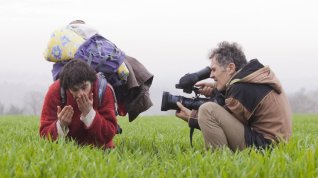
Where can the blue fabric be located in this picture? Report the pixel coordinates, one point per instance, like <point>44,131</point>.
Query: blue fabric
<point>57,67</point>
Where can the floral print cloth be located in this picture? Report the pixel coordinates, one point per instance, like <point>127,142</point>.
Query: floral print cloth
<point>62,45</point>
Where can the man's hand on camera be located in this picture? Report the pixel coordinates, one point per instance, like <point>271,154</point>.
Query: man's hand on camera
<point>184,113</point>
<point>205,88</point>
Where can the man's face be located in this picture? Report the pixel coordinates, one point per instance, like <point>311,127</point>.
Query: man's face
<point>221,75</point>
<point>81,89</point>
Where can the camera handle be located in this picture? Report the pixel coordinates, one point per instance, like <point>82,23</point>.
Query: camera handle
<point>196,91</point>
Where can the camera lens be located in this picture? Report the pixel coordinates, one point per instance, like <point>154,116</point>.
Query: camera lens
<point>170,102</point>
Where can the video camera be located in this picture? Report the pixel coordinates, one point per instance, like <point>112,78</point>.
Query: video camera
<point>188,80</point>
<point>187,84</point>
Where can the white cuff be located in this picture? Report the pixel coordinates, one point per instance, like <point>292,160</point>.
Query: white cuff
<point>61,130</point>
<point>88,119</point>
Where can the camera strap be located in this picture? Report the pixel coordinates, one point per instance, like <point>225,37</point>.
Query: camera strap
<point>191,135</point>
<point>193,124</point>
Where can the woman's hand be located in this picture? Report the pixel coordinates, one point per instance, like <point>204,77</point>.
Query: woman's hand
<point>65,115</point>
<point>85,103</point>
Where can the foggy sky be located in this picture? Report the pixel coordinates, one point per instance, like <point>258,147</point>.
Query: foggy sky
<point>169,37</point>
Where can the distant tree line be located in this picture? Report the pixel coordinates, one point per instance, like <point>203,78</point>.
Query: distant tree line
<point>301,101</point>
<point>304,102</point>
<point>32,105</point>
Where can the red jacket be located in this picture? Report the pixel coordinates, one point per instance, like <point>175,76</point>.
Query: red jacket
<point>102,129</point>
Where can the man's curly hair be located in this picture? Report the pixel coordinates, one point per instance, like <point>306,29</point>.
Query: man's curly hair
<point>227,53</point>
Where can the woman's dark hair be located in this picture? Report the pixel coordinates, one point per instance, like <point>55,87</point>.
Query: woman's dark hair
<point>76,72</point>
<point>229,52</point>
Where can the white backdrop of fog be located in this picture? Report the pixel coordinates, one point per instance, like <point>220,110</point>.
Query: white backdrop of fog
<point>170,37</point>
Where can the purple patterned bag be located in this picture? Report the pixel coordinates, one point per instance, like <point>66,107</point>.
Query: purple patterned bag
<point>101,54</point>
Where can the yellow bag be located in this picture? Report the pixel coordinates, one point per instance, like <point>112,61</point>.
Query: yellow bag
<point>62,45</point>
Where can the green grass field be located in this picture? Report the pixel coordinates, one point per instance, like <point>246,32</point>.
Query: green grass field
<point>152,146</point>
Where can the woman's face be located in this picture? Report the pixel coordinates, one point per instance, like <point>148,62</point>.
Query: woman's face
<point>80,89</point>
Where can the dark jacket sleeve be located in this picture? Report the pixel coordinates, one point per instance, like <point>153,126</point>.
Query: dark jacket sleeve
<point>193,120</point>
<point>138,85</point>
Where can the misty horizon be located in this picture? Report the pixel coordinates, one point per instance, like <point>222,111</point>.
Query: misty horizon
<point>170,38</point>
